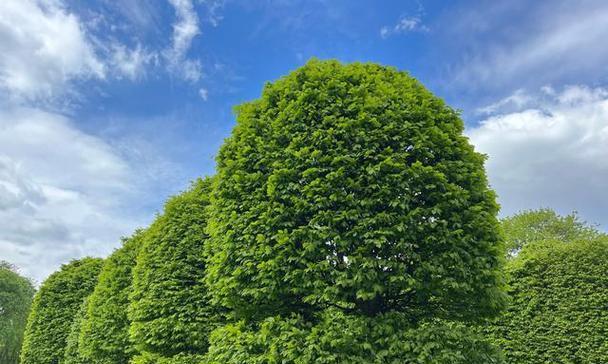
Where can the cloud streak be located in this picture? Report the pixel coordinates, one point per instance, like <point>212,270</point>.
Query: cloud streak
<point>550,43</point>
<point>406,24</point>
<point>185,29</point>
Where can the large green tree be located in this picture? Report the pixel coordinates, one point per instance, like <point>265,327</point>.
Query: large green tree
<point>169,311</point>
<point>104,336</point>
<point>54,309</point>
<point>559,308</point>
<point>16,293</point>
<point>352,187</point>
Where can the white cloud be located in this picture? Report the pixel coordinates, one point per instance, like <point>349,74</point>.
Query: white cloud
<point>213,9</point>
<point>405,24</point>
<point>553,152</point>
<point>203,93</point>
<point>185,29</point>
<point>130,63</point>
<point>516,101</point>
<point>42,47</point>
<point>63,193</point>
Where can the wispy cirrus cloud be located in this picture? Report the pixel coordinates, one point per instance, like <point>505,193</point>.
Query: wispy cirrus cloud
<point>410,22</point>
<point>131,63</point>
<point>521,44</point>
<point>185,29</point>
<point>405,24</point>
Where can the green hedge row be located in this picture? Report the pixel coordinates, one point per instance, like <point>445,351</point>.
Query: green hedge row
<point>56,305</point>
<point>350,221</point>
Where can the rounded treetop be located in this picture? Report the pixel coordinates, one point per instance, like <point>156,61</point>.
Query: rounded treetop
<point>353,186</point>
<point>54,309</point>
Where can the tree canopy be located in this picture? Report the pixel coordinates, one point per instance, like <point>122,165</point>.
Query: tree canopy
<point>54,309</point>
<point>169,312</point>
<point>104,336</point>
<point>351,221</point>
<point>353,186</point>
<point>545,224</point>
<point>16,293</point>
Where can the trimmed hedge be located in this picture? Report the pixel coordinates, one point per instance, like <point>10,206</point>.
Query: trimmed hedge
<point>338,338</point>
<point>559,310</point>
<point>169,312</point>
<point>353,186</point>
<point>73,353</point>
<point>54,309</point>
<point>16,294</point>
<point>104,337</point>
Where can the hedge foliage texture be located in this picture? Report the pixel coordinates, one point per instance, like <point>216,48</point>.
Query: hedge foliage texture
<point>104,336</point>
<point>16,294</point>
<point>169,312</point>
<point>54,309</point>
<point>559,309</point>
<point>353,186</point>
<point>337,338</point>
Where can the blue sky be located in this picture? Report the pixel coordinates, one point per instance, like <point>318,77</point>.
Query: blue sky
<point>109,107</point>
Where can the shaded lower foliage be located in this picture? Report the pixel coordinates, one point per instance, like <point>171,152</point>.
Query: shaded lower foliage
<point>339,338</point>
<point>183,358</point>
<point>72,351</point>
<point>16,293</point>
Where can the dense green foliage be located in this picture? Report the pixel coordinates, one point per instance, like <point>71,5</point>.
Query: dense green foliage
<point>54,309</point>
<point>104,337</point>
<point>338,338</point>
<point>351,221</point>
<point>169,312</point>
<point>16,293</point>
<point>72,353</point>
<point>353,186</point>
<point>545,224</point>
<point>559,310</point>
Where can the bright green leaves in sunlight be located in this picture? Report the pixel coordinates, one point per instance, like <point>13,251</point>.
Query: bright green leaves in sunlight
<point>351,221</point>
<point>353,186</point>
<point>104,334</point>
<point>56,306</point>
<point>545,224</point>
<point>170,314</point>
